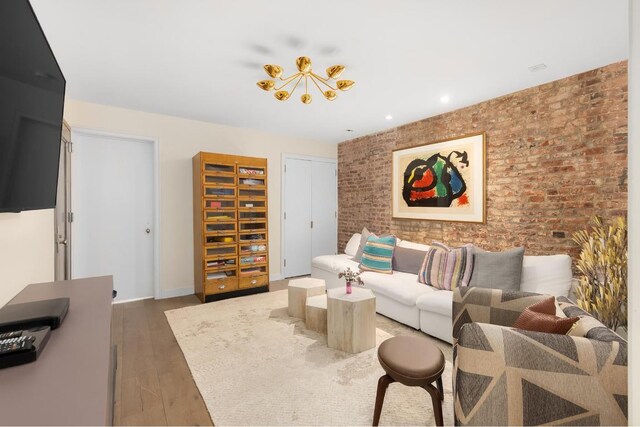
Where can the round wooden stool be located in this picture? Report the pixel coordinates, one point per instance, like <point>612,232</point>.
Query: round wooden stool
<point>414,362</point>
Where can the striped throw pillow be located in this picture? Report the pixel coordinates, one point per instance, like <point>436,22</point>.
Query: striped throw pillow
<point>447,269</point>
<point>377,254</point>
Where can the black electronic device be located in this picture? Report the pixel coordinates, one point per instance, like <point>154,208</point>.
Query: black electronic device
<point>23,346</point>
<point>29,315</point>
<point>32,91</point>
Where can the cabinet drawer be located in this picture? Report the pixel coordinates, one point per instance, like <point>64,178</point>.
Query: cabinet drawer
<point>219,168</point>
<point>221,264</point>
<point>253,259</point>
<point>220,240</point>
<point>253,225</point>
<point>219,192</point>
<point>254,282</point>
<point>219,179</point>
<point>219,227</point>
<point>222,204</point>
<point>252,204</point>
<point>253,237</point>
<point>252,215</point>
<point>253,181</point>
<point>210,215</point>
<point>219,286</point>
<point>220,251</point>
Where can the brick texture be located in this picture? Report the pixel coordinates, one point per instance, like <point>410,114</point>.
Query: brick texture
<point>556,156</point>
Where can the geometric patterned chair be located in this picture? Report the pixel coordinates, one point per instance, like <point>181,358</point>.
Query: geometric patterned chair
<point>507,376</point>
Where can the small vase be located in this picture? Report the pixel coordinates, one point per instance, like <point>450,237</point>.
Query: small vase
<point>348,287</point>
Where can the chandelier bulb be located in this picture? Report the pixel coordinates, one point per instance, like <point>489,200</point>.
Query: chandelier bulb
<point>266,85</point>
<point>330,95</point>
<point>274,71</point>
<point>304,64</point>
<point>335,71</point>
<point>281,95</point>
<point>345,84</point>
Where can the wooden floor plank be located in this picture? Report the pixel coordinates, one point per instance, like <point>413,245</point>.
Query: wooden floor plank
<point>182,401</point>
<point>154,385</point>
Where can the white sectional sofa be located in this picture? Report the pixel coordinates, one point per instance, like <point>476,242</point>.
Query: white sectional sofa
<point>401,297</point>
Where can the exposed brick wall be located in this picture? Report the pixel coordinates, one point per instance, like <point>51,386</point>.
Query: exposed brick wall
<point>556,156</point>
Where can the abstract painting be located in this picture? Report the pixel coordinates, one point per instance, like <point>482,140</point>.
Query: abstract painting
<point>442,181</point>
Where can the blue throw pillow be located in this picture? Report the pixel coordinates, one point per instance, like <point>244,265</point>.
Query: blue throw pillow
<point>378,254</point>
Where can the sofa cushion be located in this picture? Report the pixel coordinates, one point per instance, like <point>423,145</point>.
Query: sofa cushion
<point>353,244</point>
<point>549,275</point>
<point>447,269</point>
<point>377,254</point>
<point>401,287</point>
<point>408,260</point>
<point>334,263</point>
<point>412,245</point>
<point>364,236</point>
<point>497,270</point>
<point>438,301</point>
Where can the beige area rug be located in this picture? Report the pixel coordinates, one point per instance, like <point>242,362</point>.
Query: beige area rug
<point>255,365</point>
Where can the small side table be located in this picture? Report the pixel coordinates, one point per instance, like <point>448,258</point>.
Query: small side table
<point>351,320</point>
<point>316,319</point>
<point>299,290</point>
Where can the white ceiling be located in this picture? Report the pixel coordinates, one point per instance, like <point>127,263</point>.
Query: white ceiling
<point>200,59</point>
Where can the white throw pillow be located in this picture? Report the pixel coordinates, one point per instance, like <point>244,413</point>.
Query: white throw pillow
<point>549,274</point>
<point>352,245</point>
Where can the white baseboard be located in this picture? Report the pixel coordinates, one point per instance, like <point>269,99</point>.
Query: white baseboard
<point>274,277</point>
<point>172,293</point>
<point>130,300</point>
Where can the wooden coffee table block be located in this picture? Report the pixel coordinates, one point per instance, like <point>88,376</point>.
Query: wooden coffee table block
<point>351,320</point>
<point>316,314</point>
<point>299,290</point>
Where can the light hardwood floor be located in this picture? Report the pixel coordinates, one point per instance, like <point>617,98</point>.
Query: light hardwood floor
<point>153,382</point>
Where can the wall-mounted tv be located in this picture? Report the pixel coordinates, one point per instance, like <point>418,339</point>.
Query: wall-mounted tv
<point>31,105</point>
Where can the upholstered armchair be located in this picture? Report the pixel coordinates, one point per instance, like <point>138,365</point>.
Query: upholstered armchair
<point>507,376</point>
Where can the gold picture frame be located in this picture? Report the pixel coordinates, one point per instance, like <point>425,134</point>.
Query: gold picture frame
<point>442,180</point>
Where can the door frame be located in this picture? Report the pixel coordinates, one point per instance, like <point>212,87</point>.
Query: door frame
<point>66,147</point>
<point>156,192</point>
<point>283,196</point>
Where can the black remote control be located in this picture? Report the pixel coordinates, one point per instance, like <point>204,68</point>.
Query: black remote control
<point>16,345</point>
<point>12,334</point>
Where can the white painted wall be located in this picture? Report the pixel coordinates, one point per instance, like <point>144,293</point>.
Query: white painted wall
<point>26,251</point>
<point>180,139</point>
<point>634,214</point>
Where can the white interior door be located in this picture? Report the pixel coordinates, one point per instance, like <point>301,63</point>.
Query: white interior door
<point>113,212</point>
<point>297,220</point>
<point>324,234</point>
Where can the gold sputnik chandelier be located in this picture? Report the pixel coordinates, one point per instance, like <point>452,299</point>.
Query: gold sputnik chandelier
<point>304,72</point>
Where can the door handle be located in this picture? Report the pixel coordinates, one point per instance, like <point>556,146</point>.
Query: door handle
<point>148,230</point>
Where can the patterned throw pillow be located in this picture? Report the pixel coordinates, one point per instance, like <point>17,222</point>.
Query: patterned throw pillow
<point>377,254</point>
<point>541,317</point>
<point>445,268</point>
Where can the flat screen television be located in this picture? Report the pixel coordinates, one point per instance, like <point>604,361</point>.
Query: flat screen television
<point>31,105</point>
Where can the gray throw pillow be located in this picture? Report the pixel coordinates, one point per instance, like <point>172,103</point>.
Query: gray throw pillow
<point>497,270</point>
<point>407,260</point>
<point>363,242</point>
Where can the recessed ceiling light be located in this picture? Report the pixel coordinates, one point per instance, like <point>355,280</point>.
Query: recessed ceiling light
<point>444,99</point>
<point>538,67</point>
<point>388,117</point>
